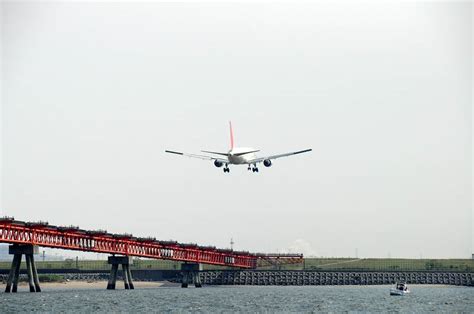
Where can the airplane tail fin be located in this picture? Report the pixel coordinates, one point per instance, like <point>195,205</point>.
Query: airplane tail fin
<point>231,135</point>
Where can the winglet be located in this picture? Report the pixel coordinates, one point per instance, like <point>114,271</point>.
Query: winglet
<point>231,136</point>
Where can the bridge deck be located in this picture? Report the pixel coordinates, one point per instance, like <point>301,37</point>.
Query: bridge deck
<point>73,238</point>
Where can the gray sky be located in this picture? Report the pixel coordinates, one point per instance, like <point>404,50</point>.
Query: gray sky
<point>92,95</point>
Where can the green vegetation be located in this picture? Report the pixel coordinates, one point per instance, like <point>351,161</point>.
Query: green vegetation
<point>390,264</point>
<point>342,264</point>
<point>50,278</point>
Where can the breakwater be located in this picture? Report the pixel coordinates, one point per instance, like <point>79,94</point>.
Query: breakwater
<point>301,278</point>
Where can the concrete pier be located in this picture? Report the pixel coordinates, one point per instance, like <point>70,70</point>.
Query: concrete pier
<point>18,251</point>
<point>29,271</point>
<point>129,275</point>
<point>113,277</point>
<point>12,273</point>
<point>125,276</point>
<point>16,272</point>
<point>125,261</point>
<point>190,274</point>
<point>35,273</point>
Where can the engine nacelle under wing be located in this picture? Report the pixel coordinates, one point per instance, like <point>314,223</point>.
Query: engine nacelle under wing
<point>267,162</point>
<point>218,163</point>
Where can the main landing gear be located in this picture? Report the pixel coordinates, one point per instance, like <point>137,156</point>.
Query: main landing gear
<point>254,168</point>
<point>226,168</point>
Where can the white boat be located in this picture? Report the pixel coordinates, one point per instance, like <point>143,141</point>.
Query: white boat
<point>400,289</point>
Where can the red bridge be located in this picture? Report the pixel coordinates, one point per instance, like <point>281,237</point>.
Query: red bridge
<point>100,241</point>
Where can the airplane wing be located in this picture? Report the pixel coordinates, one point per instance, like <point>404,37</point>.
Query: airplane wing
<point>261,159</point>
<point>203,157</point>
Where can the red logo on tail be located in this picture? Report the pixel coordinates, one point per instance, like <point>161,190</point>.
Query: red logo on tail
<point>231,136</point>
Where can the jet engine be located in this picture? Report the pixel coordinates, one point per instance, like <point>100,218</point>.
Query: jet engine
<point>218,164</point>
<point>267,162</point>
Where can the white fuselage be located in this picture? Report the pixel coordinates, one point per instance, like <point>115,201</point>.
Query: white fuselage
<point>241,159</point>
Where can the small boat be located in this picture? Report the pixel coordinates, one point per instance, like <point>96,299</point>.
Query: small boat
<point>400,289</point>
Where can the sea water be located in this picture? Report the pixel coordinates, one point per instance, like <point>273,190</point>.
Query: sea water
<point>424,298</point>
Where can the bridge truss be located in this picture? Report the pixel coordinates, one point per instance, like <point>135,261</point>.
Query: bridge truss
<point>100,241</point>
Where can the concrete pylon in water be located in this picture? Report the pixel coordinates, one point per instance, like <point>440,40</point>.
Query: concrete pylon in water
<point>125,261</point>
<point>190,274</point>
<point>18,251</point>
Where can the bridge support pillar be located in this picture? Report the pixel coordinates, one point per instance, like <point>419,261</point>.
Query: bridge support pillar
<point>18,251</point>
<point>129,275</point>
<point>125,261</point>
<point>190,274</point>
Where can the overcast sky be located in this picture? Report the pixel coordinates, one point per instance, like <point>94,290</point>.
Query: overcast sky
<point>93,93</point>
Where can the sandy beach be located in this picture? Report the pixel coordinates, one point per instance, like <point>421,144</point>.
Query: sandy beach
<point>82,284</point>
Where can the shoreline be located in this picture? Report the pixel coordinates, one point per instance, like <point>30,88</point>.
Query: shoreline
<point>102,284</point>
<point>86,284</point>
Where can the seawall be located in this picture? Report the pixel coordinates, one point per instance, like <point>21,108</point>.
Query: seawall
<point>301,278</point>
<point>279,277</point>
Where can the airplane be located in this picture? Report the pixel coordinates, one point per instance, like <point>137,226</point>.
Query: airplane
<point>238,156</point>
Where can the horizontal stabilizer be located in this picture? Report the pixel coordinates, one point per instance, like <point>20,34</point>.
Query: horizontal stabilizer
<point>244,153</point>
<point>216,153</point>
